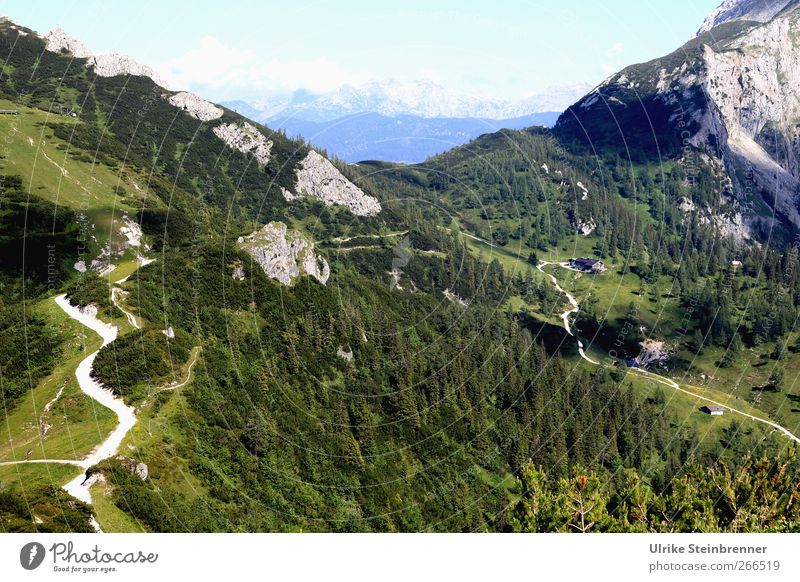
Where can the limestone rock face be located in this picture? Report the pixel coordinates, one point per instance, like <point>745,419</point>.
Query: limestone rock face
<point>238,273</point>
<point>586,227</point>
<point>245,138</point>
<point>453,297</point>
<point>137,468</point>
<point>195,106</point>
<point>132,232</point>
<point>318,178</point>
<point>756,10</point>
<point>113,64</point>
<point>105,65</point>
<point>346,355</point>
<point>685,204</point>
<point>730,96</point>
<point>752,85</point>
<point>58,40</point>
<point>285,254</point>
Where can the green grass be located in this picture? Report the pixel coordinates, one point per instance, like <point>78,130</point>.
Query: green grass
<point>123,269</point>
<point>110,517</point>
<point>78,423</point>
<point>158,435</point>
<point>612,292</point>
<point>48,169</point>
<point>662,317</point>
<point>21,477</point>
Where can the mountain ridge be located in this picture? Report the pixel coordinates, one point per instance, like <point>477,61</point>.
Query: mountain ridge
<point>390,97</point>
<point>725,94</point>
<point>756,10</point>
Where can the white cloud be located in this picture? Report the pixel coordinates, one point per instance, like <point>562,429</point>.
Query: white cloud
<point>614,63</point>
<point>222,69</point>
<point>616,50</point>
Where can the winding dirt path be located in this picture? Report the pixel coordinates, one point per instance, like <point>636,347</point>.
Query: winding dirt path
<point>126,415</point>
<point>652,375</point>
<point>116,293</point>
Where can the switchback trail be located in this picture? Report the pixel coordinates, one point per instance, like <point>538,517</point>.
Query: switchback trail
<point>652,375</point>
<point>126,415</point>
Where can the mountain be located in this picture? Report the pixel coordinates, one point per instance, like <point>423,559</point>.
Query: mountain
<point>398,138</point>
<point>279,343</point>
<point>727,94</point>
<point>754,10</point>
<point>426,99</point>
<point>402,122</point>
<point>208,326</point>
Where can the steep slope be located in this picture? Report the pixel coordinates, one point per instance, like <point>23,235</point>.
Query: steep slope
<point>729,94</point>
<point>755,10</point>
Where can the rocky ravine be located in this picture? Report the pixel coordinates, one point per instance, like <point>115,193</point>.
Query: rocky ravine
<point>285,254</point>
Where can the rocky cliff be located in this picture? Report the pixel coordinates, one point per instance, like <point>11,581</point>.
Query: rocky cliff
<point>318,178</point>
<point>729,95</point>
<point>755,10</point>
<point>195,106</point>
<point>105,65</point>
<point>246,138</point>
<point>285,254</point>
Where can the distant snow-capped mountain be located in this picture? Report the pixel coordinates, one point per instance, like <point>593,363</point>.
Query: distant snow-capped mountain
<point>399,138</point>
<point>401,122</point>
<point>391,98</point>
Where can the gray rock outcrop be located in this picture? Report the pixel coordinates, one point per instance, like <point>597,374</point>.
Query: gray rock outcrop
<point>113,64</point>
<point>105,65</point>
<point>57,41</point>
<point>135,467</point>
<point>245,138</point>
<point>285,254</point>
<point>318,178</point>
<point>755,10</point>
<point>195,106</point>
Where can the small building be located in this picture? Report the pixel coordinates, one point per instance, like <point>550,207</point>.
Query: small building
<point>713,410</point>
<point>587,265</point>
<point>9,112</point>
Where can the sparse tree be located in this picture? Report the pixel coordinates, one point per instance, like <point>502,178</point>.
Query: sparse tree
<point>776,379</point>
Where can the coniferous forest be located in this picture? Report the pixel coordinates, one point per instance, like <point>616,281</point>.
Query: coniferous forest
<point>433,380</point>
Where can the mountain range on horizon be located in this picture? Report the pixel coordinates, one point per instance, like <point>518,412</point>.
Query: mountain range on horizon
<point>396,121</point>
<point>423,98</point>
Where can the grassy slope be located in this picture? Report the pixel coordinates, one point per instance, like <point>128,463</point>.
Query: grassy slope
<point>50,171</point>
<point>656,310</point>
<point>78,424</point>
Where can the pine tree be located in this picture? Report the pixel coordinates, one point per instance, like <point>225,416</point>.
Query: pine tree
<point>581,502</point>
<point>776,379</point>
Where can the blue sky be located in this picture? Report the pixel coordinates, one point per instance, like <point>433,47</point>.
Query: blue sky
<point>249,49</point>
